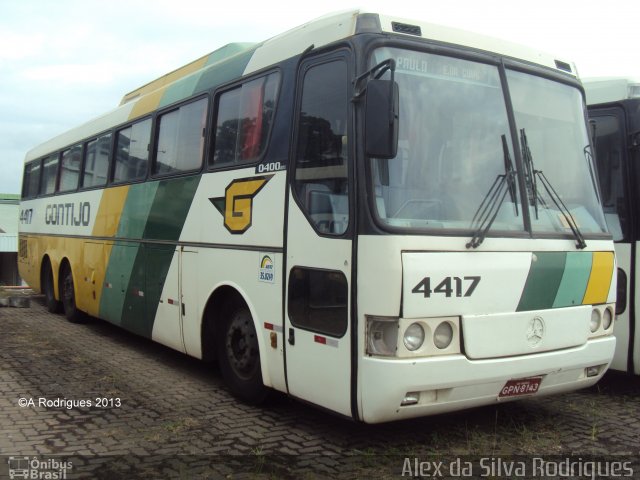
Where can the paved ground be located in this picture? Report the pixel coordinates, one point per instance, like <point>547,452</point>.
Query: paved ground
<point>175,419</point>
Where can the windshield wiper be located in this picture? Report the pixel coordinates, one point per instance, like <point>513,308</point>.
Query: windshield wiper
<point>492,201</point>
<point>532,187</point>
<point>529,172</point>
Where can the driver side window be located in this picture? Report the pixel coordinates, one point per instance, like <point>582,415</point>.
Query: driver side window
<point>321,170</point>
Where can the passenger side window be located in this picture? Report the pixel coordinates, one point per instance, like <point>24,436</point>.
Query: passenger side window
<point>181,138</point>
<point>243,121</point>
<point>70,168</point>
<point>132,152</point>
<point>31,181</point>
<point>321,171</point>
<point>611,165</point>
<point>49,175</point>
<point>96,165</point>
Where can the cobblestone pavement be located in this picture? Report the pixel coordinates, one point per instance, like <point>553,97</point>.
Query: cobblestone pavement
<point>177,420</point>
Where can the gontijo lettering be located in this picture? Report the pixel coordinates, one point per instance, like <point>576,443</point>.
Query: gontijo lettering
<point>71,214</point>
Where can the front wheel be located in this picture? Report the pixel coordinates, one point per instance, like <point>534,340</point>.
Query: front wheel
<point>239,356</point>
<point>68,296</point>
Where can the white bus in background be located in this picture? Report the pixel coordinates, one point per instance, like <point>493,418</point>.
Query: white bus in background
<point>382,217</point>
<point>614,110</point>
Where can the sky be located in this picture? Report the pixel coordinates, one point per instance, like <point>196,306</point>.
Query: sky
<point>65,62</point>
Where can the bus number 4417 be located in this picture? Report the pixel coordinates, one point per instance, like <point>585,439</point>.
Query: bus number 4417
<point>449,287</point>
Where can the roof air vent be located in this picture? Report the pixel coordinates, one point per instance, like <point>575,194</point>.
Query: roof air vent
<point>406,28</point>
<point>563,66</point>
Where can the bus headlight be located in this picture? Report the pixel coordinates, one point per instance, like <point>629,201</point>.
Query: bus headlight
<point>414,337</point>
<point>607,318</point>
<point>382,336</point>
<point>595,320</point>
<point>443,335</point>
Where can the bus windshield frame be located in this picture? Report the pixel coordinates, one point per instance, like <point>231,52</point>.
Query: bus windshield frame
<point>462,122</point>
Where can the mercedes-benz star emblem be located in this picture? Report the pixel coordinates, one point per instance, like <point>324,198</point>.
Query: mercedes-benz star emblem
<point>535,332</point>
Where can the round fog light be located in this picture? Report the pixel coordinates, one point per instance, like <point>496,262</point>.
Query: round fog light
<point>443,335</point>
<point>414,337</point>
<point>607,318</point>
<point>595,320</point>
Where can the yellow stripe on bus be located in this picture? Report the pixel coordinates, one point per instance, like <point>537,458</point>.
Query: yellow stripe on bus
<point>600,278</point>
<point>147,104</point>
<point>164,81</point>
<point>109,211</point>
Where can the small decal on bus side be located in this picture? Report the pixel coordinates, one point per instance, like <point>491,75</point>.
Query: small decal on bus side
<point>266,272</point>
<point>449,287</point>
<point>271,167</point>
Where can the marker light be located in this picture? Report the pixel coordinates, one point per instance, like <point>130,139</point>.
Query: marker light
<point>414,337</point>
<point>607,318</point>
<point>595,320</point>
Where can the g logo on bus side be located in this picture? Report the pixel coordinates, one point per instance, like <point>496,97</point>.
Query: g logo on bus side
<point>237,204</point>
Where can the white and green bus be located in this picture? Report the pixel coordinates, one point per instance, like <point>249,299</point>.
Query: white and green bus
<point>614,110</point>
<point>384,218</point>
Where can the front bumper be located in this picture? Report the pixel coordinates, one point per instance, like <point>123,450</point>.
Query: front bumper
<point>454,382</point>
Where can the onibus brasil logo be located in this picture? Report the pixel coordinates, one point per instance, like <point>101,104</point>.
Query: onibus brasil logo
<point>36,468</point>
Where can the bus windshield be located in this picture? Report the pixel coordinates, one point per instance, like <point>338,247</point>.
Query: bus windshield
<point>455,146</point>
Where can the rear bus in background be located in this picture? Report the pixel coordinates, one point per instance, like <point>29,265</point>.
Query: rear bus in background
<point>382,217</point>
<point>614,112</point>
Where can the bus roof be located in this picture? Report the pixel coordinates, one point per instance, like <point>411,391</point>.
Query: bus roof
<point>237,59</point>
<point>610,89</point>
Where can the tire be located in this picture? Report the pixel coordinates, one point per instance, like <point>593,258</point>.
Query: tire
<point>67,295</point>
<point>53,305</point>
<point>239,356</point>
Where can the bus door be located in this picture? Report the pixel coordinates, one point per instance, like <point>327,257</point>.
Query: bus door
<point>319,240</point>
<point>172,295</point>
<point>614,177</point>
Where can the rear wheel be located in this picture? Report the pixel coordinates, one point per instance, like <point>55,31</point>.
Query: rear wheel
<point>53,305</point>
<point>67,295</point>
<point>239,356</point>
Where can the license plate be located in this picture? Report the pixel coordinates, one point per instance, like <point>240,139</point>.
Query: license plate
<point>520,387</point>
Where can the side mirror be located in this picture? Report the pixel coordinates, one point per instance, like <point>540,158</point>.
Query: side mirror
<point>381,119</point>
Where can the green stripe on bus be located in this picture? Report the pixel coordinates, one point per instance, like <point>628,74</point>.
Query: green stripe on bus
<point>123,256</point>
<point>574,280</point>
<point>170,207</point>
<point>165,221</point>
<point>224,72</point>
<point>180,90</point>
<point>192,84</point>
<point>135,213</point>
<point>542,283</point>
<point>229,50</point>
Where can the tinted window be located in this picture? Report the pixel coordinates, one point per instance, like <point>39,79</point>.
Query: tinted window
<point>318,300</point>
<point>132,152</point>
<point>244,117</point>
<point>321,162</point>
<point>610,160</point>
<point>181,138</point>
<point>96,164</point>
<point>70,168</point>
<point>49,175</point>
<point>31,180</point>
